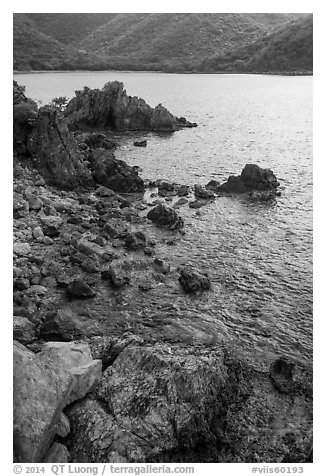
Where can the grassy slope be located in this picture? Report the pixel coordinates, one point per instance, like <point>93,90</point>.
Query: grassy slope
<point>168,36</point>
<point>287,49</point>
<point>69,28</point>
<point>35,50</point>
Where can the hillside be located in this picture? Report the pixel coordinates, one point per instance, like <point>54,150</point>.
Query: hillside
<point>161,41</point>
<point>36,50</point>
<point>287,49</point>
<point>156,38</point>
<point>69,28</point>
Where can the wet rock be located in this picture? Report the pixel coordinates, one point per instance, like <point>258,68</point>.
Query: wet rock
<point>96,140</point>
<point>193,281</point>
<point>180,202</point>
<point>67,325</point>
<point>21,249</point>
<point>24,331</point>
<point>252,177</point>
<point>281,373</point>
<point>166,188</point>
<point>107,348</point>
<point>40,394</point>
<point>78,288</point>
<point>183,190</point>
<point>202,193</point>
<point>155,401</point>
<point>117,275</point>
<point>55,152</point>
<point>116,228</point>
<point>58,453</point>
<point>164,216</point>
<point>213,185</point>
<point>135,241</point>
<point>141,143</point>
<point>161,266</point>
<point>115,174</point>
<point>51,225</point>
<point>197,203</point>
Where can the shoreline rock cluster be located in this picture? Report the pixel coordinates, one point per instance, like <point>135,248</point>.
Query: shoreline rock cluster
<point>92,385</point>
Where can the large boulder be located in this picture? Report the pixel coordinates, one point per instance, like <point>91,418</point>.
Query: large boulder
<point>114,174</point>
<point>165,216</point>
<point>252,177</point>
<point>55,152</point>
<point>112,108</point>
<point>154,404</point>
<point>40,394</point>
<point>44,384</point>
<point>193,281</point>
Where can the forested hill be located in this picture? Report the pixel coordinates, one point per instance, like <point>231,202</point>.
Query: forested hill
<point>287,49</point>
<point>175,42</point>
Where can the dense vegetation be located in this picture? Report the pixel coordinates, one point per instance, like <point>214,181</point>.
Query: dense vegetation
<point>171,42</point>
<point>288,49</point>
<point>69,28</point>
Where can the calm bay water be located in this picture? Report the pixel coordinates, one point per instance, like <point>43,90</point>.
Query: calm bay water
<point>259,255</point>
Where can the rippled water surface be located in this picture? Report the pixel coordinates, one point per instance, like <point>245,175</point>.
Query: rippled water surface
<point>259,255</point>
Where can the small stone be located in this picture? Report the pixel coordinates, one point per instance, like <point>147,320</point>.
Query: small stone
<point>63,426</point>
<point>38,233</point>
<point>58,453</point>
<point>22,249</point>
<point>78,288</point>
<point>23,330</point>
<point>161,266</point>
<point>47,240</point>
<point>51,225</point>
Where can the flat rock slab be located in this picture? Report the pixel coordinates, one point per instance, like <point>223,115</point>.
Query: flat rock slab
<point>44,384</point>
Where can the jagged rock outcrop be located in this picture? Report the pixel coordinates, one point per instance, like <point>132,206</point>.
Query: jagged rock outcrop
<point>44,384</point>
<point>112,108</point>
<point>114,174</point>
<point>152,403</point>
<point>165,216</point>
<point>55,151</point>
<point>252,177</point>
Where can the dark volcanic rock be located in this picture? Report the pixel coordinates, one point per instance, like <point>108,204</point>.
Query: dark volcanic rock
<point>252,177</point>
<point>281,373</point>
<point>153,402</point>
<point>193,281</point>
<point>111,108</point>
<point>140,143</point>
<point>96,140</point>
<point>162,215</point>
<point>213,185</point>
<point>202,193</point>
<point>78,288</point>
<point>55,151</point>
<point>115,174</point>
<point>117,275</point>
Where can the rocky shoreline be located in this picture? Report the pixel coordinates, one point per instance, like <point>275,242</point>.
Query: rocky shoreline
<point>95,385</point>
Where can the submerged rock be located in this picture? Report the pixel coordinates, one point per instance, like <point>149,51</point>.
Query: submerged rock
<point>165,216</point>
<point>193,281</point>
<point>140,143</point>
<point>252,177</point>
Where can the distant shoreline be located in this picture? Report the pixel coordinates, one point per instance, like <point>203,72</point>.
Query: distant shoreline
<point>266,73</point>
